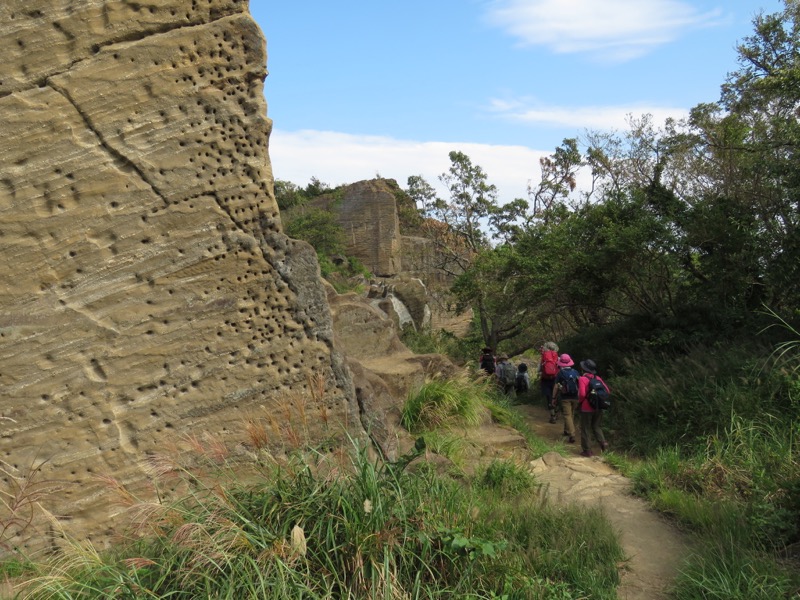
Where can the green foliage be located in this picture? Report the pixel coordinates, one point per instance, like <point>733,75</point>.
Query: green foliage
<point>447,443</point>
<point>440,402</point>
<point>439,342</point>
<point>16,567</point>
<point>506,477</point>
<point>306,530</point>
<point>726,570</point>
<point>696,218</point>
<point>289,195</point>
<point>344,276</point>
<point>720,432</point>
<point>319,228</point>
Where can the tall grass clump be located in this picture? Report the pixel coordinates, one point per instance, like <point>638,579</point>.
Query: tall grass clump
<point>316,529</point>
<point>680,400</point>
<point>724,570</point>
<point>441,402</point>
<point>505,477</point>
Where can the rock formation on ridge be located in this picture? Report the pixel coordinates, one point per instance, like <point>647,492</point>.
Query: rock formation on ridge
<point>147,290</point>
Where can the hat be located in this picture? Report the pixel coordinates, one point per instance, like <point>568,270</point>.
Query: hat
<point>486,350</point>
<point>589,366</point>
<point>565,361</point>
<point>551,346</point>
<point>503,357</point>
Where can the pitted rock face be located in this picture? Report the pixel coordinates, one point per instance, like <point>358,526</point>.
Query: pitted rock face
<point>147,291</point>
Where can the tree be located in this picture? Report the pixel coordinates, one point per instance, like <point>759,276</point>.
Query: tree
<point>319,228</point>
<point>558,179</point>
<point>461,228</point>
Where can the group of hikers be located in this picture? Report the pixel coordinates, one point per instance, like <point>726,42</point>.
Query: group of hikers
<point>581,396</point>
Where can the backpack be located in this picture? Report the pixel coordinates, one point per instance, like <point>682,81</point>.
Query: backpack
<point>570,383</point>
<point>487,363</point>
<point>521,384</point>
<point>549,364</point>
<point>508,373</point>
<point>598,395</point>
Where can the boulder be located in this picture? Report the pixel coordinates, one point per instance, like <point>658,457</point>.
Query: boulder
<point>147,291</point>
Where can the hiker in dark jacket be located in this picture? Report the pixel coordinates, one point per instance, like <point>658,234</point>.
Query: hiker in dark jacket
<point>506,375</point>
<point>591,419</point>
<point>565,392</point>
<point>523,381</point>
<point>486,361</point>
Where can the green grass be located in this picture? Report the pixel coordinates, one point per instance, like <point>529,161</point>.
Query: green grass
<point>727,570</point>
<point>324,528</point>
<point>505,477</point>
<point>714,442</point>
<point>442,402</point>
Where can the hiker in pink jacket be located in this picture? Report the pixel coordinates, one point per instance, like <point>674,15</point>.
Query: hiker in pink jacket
<point>590,418</point>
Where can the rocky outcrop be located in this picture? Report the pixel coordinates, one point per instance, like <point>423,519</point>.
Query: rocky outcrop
<point>384,370</point>
<point>405,300</point>
<point>367,212</point>
<point>147,292</point>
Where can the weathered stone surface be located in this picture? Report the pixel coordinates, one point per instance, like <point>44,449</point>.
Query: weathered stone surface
<point>414,295</point>
<point>384,370</point>
<point>147,291</point>
<point>367,211</point>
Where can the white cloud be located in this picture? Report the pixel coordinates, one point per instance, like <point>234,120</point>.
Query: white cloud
<point>340,158</point>
<point>602,118</point>
<point>616,30</point>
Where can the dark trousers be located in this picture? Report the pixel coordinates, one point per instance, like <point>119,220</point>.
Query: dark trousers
<point>591,421</point>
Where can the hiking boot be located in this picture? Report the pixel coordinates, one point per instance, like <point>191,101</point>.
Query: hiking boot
<point>571,440</point>
<point>552,419</point>
<point>603,446</point>
<point>587,453</point>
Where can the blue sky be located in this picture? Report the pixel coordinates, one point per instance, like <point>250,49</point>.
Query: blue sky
<point>358,89</point>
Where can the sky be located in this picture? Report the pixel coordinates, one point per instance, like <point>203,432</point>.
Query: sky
<point>359,89</point>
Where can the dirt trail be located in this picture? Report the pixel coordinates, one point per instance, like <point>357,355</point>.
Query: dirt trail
<point>654,546</point>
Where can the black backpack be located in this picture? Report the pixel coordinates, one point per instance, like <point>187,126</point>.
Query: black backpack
<point>598,395</point>
<point>521,384</point>
<point>570,383</point>
<point>487,363</point>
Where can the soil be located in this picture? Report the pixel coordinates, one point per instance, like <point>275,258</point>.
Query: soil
<point>653,545</point>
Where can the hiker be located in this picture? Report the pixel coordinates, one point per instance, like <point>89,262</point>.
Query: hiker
<point>522,383</point>
<point>591,419</point>
<point>548,369</point>
<point>506,375</point>
<point>486,361</point>
<point>565,391</point>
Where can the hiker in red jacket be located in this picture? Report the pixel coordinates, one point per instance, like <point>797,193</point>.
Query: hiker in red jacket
<point>548,369</point>
<point>591,419</point>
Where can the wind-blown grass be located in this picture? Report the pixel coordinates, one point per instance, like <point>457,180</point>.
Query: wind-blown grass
<point>313,530</point>
<point>441,402</point>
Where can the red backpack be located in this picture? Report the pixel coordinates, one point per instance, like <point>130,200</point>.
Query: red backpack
<point>549,364</point>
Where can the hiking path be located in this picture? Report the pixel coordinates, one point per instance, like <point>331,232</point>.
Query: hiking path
<point>654,546</point>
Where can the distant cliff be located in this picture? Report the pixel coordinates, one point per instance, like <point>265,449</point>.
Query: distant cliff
<point>383,229</point>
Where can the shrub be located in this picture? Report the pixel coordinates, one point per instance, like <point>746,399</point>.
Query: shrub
<point>440,402</point>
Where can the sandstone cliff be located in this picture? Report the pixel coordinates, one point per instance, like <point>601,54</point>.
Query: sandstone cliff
<point>147,291</point>
<point>384,231</point>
